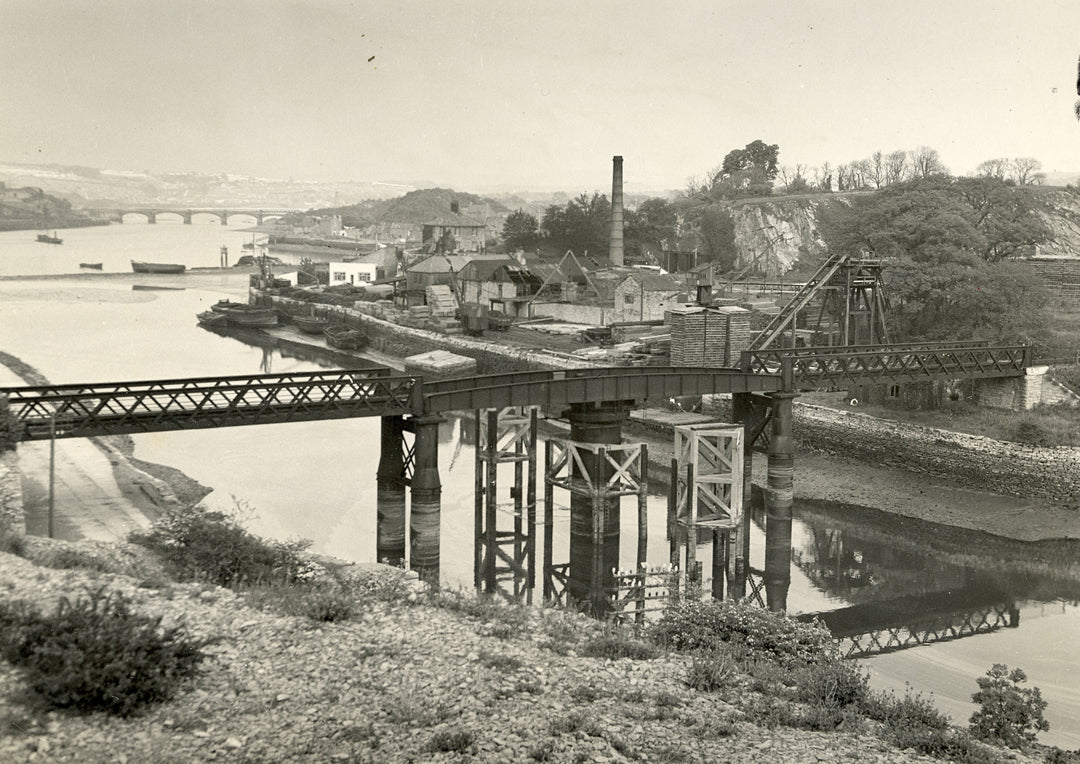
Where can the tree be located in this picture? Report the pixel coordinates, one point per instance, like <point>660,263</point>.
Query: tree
<point>1008,713</point>
<point>926,161</point>
<point>717,229</point>
<point>520,230</point>
<point>748,171</point>
<point>993,168</point>
<point>582,225</point>
<point>1025,171</point>
<point>649,226</point>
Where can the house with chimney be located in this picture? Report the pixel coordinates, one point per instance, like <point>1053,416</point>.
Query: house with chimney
<point>453,232</point>
<point>645,296</point>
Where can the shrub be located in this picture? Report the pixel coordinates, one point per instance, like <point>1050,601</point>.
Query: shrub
<point>709,671</point>
<point>198,544</point>
<point>96,654</point>
<point>619,645</point>
<point>834,683</point>
<point>447,741</point>
<point>12,542</point>
<point>693,624</point>
<point>1008,713</point>
<point>326,603</point>
<point>910,711</point>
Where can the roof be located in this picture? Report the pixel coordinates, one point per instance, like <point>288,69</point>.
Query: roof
<point>482,269</point>
<point>440,264</point>
<point>655,282</point>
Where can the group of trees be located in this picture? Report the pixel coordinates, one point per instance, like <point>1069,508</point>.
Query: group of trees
<point>584,225</point>
<point>949,241</point>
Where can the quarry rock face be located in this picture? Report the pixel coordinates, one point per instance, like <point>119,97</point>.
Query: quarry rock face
<point>1060,210</point>
<point>777,234</point>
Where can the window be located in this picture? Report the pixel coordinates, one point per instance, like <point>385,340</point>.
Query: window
<point>894,391</point>
<point>628,299</point>
<point>339,275</point>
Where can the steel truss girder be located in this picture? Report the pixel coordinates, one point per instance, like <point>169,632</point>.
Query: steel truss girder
<point>892,365</point>
<point>178,404</point>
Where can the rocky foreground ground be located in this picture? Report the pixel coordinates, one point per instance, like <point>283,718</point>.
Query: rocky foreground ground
<point>401,681</point>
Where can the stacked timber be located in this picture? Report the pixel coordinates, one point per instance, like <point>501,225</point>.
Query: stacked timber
<point>441,300</point>
<point>439,364</point>
<point>711,337</point>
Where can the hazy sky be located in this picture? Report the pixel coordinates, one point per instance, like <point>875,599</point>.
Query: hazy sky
<point>531,95</point>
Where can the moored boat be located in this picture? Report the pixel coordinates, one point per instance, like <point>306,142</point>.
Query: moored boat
<point>247,315</point>
<point>140,267</point>
<point>311,324</point>
<point>221,306</point>
<point>92,266</point>
<point>45,238</point>
<point>210,318</point>
<point>345,338</point>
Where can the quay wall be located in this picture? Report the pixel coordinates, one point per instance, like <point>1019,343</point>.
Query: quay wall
<point>971,461</point>
<point>491,356</point>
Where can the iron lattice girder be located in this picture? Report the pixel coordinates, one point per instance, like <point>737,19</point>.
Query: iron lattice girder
<point>84,410</point>
<point>891,364</point>
<point>625,462</point>
<point>178,404</point>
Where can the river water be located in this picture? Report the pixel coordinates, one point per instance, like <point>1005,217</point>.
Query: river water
<point>317,481</point>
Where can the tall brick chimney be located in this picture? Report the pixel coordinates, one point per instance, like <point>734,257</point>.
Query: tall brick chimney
<point>615,248</point>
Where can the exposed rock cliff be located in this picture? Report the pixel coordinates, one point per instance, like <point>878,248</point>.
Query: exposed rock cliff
<point>1060,210</point>
<point>775,234</point>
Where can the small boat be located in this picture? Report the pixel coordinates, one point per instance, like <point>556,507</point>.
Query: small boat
<point>221,306</point>
<point>345,338</point>
<point>311,324</point>
<point>91,266</point>
<point>139,267</point>
<point>249,315</point>
<point>210,318</point>
<point>45,238</point>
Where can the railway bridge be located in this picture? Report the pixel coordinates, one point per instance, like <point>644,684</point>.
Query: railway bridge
<point>186,213</point>
<point>594,464</point>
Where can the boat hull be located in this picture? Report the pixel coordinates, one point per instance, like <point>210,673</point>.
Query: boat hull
<point>91,266</point>
<point>251,317</point>
<point>210,318</point>
<point>310,324</point>
<point>345,339</point>
<point>139,267</point>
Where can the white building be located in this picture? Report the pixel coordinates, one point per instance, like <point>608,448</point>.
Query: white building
<point>353,274</point>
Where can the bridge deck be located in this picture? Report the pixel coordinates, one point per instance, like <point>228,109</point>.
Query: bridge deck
<point>82,410</point>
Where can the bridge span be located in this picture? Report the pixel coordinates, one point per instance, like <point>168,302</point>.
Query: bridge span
<point>187,213</point>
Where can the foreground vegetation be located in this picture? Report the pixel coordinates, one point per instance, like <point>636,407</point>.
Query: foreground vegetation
<point>94,652</point>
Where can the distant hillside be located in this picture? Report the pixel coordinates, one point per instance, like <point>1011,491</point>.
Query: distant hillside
<point>416,207</point>
<point>27,208</point>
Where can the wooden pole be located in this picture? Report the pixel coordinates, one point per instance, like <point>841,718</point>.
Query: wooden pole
<point>52,470</point>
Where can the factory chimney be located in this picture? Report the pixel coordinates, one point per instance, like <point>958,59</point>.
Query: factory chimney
<point>615,248</point>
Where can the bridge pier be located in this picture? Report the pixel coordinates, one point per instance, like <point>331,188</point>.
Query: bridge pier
<point>224,217</point>
<point>426,509</point>
<point>187,217</point>
<point>779,491</point>
<point>151,217</point>
<point>390,497</point>
<point>594,512</point>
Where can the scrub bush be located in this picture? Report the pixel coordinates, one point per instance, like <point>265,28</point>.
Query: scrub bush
<point>694,624</point>
<point>197,544</point>
<point>96,654</point>
<point>1008,713</point>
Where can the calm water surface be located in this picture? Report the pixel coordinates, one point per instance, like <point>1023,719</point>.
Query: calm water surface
<point>317,480</point>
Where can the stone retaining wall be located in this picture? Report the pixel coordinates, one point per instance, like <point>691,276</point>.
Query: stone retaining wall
<point>12,517</point>
<point>971,461</point>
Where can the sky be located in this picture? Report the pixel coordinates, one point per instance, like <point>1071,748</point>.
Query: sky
<point>485,95</point>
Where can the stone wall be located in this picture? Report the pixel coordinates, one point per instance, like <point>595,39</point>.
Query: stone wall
<point>967,460</point>
<point>12,518</point>
<point>573,312</point>
<point>1060,274</point>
